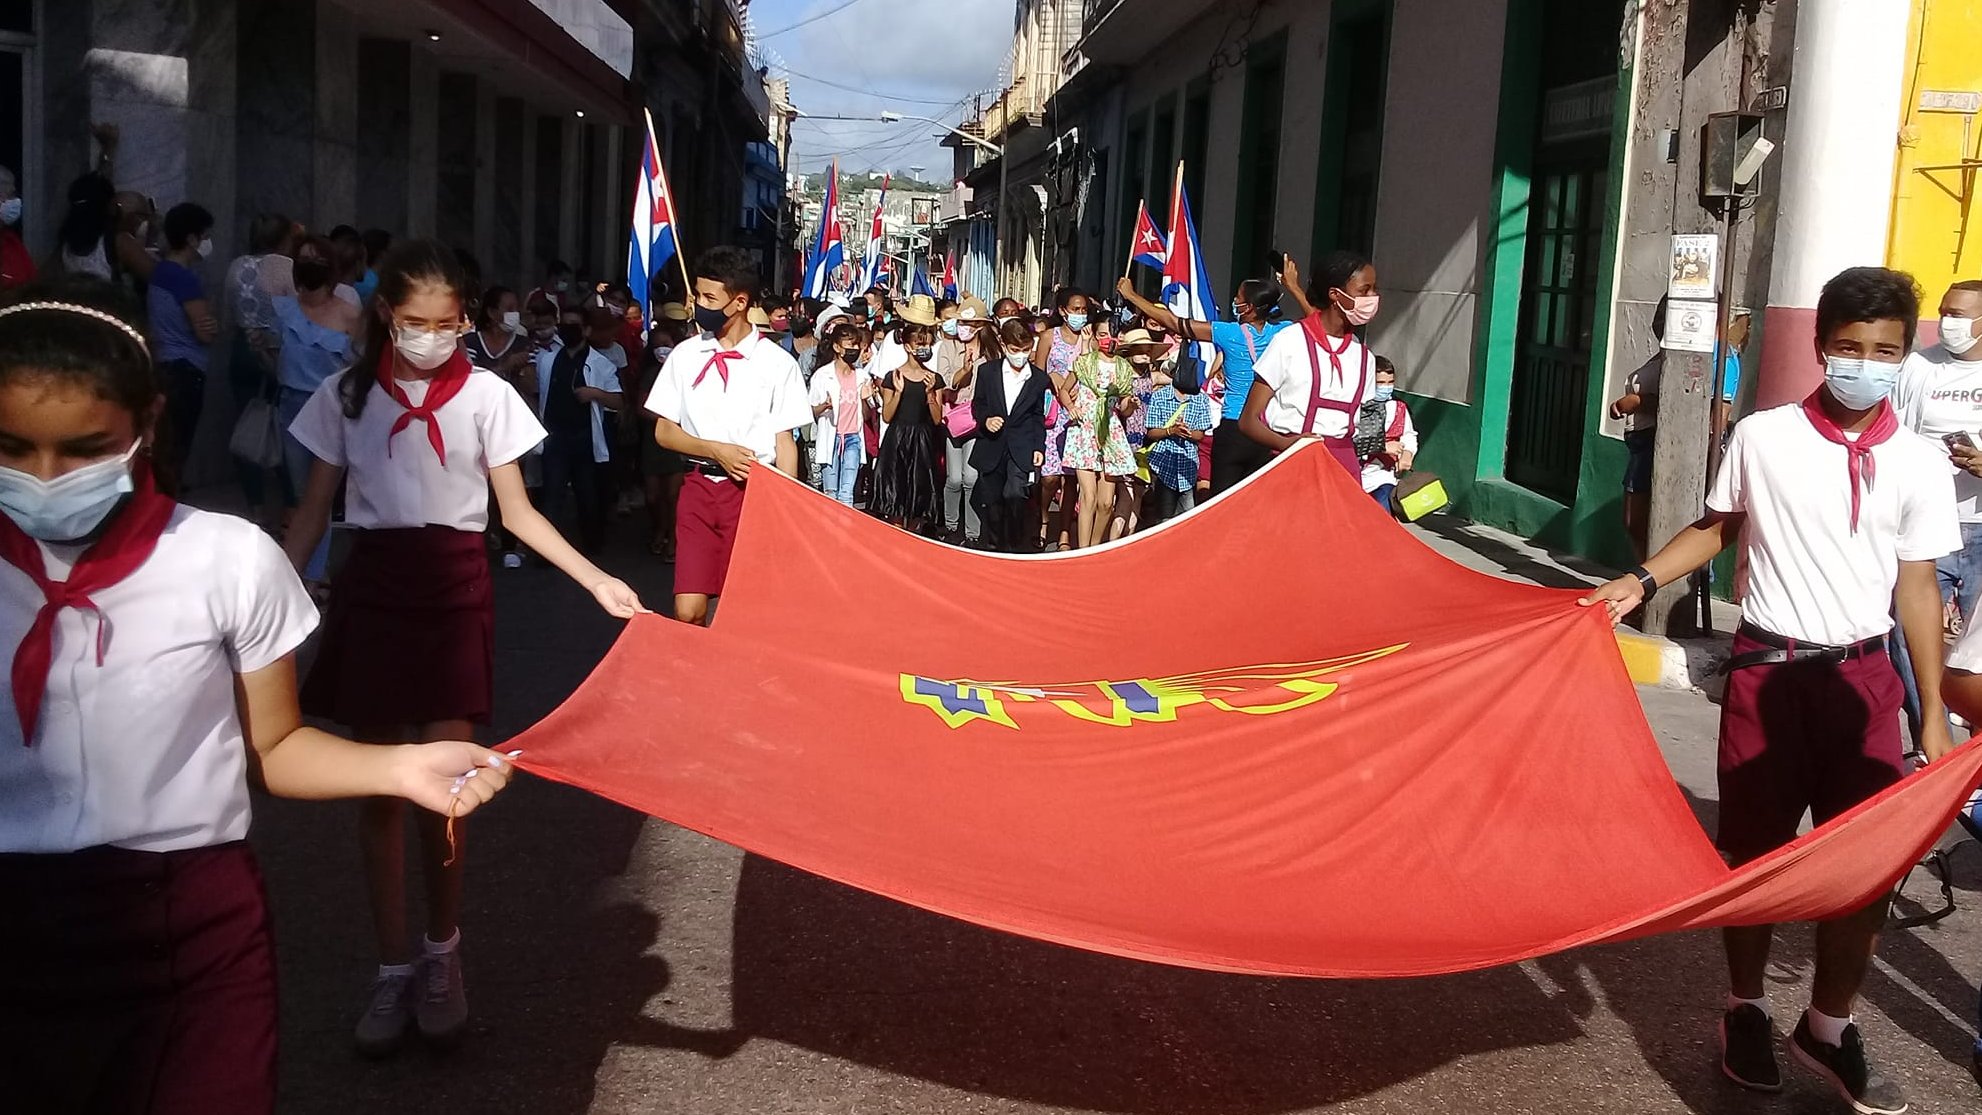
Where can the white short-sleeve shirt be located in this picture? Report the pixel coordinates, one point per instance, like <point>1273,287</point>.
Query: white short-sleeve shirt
<point>1285,368</point>
<point>599,371</point>
<point>765,395</point>
<point>146,751</point>
<point>1810,576</point>
<point>1938,395</point>
<point>486,426</point>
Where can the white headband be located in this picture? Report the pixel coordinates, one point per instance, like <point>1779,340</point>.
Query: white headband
<point>86,311</point>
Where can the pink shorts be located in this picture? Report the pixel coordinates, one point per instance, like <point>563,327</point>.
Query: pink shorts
<point>704,533</point>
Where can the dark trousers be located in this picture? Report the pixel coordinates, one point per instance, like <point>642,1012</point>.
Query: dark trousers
<point>1164,503</point>
<point>1001,506</point>
<point>1234,456</point>
<point>185,393</point>
<point>568,463</point>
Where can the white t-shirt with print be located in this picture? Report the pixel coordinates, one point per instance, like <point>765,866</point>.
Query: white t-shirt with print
<point>398,482</point>
<point>1810,576</point>
<point>1938,395</point>
<point>146,751</point>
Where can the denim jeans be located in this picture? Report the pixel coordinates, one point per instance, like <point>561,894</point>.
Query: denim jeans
<point>842,470</point>
<point>959,478</point>
<point>297,460</point>
<point>1960,577</point>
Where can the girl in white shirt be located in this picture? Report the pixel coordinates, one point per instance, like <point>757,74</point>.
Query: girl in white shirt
<point>420,438</point>
<point>153,681</point>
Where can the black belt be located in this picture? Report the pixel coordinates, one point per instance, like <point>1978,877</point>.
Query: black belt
<point>1781,650</point>
<point>708,468</point>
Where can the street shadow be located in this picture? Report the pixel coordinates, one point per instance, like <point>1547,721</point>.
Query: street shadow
<point>852,975</point>
<point>560,965</point>
<point>1572,573</point>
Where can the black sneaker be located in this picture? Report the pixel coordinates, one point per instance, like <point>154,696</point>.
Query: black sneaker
<point>1847,1069</point>
<point>1748,1049</point>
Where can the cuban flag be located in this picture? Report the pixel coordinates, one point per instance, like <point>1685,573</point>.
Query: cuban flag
<point>877,266</point>
<point>652,243</point>
<point>950,276</point>
<point>919,284</point>
<point>828,254</point>
<point>1149,248</point>
<point>1186,284</point>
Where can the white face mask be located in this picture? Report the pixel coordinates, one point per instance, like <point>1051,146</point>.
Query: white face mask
<point>425,351</point>
<point>206,248</point>
<point>1017,360</point>
<point>512,322</point>
<point>70,506</point>
<point>1859,384</point>
<point>10,211</point>
<point>1957,333</point>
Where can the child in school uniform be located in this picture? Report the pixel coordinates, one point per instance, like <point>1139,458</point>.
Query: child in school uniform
<point>154,682</point>
<point>419,438</point>
<point>1841,512</point>
<point>1400,438</point>
<point>728,400</point>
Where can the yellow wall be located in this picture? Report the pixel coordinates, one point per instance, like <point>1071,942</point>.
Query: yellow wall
<point>1930,213</point>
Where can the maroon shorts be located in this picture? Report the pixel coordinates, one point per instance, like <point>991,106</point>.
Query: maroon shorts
<point>1812,735</point>
<point>705,521</point>
<point>136,982</point>
<point>410,634</point>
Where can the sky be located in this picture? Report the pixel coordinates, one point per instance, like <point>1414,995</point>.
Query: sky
<point>937,51</point>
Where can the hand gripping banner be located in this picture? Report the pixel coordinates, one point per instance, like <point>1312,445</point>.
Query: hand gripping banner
<point>1279,735</point>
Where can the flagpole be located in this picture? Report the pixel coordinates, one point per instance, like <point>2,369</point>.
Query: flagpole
<point>674,215</point>
<point>1142,211</point>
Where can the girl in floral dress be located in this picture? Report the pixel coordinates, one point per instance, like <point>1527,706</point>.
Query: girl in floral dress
<point>1097,450</point>
<point>1065,338</point>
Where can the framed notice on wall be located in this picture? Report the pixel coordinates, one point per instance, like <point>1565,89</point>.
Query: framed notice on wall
<point>1695,275</point>
<point>1690,326</point>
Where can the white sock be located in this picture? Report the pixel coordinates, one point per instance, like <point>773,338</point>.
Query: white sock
<point>1734,1001</point>
<point>1824,1028</point>
<point>395,970</point>
<point>436,948</point>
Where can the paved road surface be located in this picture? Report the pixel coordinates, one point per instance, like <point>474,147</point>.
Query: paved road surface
<point>617,964</point>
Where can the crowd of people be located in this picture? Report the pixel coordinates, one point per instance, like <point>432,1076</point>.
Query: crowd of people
<point>447,422</point>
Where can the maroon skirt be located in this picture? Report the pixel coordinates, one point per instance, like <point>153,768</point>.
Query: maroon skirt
<point>136,983</point>
<point>410,634</point>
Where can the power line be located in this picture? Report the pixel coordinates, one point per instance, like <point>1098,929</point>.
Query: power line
<point>903,98</point>
<point>833,11</point>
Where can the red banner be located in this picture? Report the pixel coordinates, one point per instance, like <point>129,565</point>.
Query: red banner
<point>1279,735</point>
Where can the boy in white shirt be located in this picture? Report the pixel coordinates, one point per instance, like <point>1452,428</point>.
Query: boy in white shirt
<point>1400,438</point>
<point>1841,506</point>
<point>1940,397</point>
<point>727,400</point>
<point>577,382</point>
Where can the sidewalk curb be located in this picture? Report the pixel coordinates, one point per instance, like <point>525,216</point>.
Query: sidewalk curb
<point>1672,663</point>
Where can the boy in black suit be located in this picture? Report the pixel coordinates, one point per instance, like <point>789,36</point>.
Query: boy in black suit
<point>1010,407</point>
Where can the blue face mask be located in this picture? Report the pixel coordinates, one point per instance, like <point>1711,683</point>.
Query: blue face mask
<point>949,327</point>
<point>70,506</point>
<point>1385,392</point>
<point>1859,384</point>
<point>1076,322</point>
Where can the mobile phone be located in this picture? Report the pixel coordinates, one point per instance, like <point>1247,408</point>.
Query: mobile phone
<point>1960,439</point>
<point>1276,262</point>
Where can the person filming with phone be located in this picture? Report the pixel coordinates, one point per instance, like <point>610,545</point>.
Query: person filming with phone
<point>1939,395</point>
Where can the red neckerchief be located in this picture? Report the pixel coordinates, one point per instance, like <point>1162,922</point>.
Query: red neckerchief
<point>1857,454</point>
<point>720,360</point>
<point>132,535</point>
<point>447,382</point>
<point>1318,339</point>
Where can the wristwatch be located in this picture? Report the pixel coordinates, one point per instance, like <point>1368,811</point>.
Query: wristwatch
<point>1645,579</point>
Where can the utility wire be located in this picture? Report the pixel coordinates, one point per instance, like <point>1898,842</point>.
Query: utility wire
<point>832,11</point>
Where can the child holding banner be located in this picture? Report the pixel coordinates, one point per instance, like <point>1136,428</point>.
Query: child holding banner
<point>1839,511</point>
<point>419,438</point>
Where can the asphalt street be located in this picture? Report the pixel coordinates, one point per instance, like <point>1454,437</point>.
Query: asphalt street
<point>617,964</point>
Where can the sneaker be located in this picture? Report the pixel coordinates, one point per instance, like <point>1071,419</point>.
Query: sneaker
<point>512,560</point>
<point>1846,1068</point>
<point>443,1007</point>
<point>385,1021</point>
<point>1748,1049</point>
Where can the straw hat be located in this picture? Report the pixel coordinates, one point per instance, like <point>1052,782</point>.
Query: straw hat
<point>674,311</point>
<point>759,318</point>
<point>1135,337</point>
<point>919,310</point>
<point>972,308</point>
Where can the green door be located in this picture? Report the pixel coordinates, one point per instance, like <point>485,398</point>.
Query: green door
<point>1558,313</point>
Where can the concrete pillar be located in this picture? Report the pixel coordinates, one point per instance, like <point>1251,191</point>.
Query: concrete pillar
<point>483,165</point>
<point>455,143</point>
<point>163,71</point>
<point>62,43</point>
<point>422,181</point>
<point>1838,152</point>
<point>570,180</point>
<point>512,147</point>
<point>335,143</point>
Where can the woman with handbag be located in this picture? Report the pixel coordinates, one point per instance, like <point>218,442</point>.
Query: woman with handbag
<point>969,341</point>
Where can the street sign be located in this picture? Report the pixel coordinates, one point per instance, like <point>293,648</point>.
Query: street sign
<point>1947,100</point>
